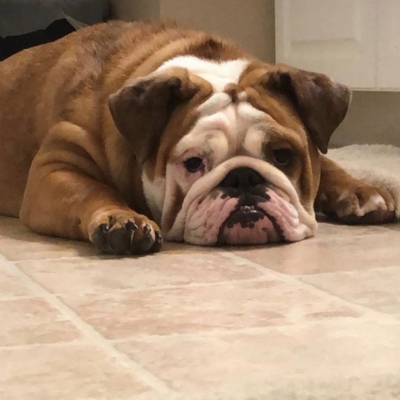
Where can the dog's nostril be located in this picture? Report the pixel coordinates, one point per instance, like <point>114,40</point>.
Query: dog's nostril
<point>242,178</point>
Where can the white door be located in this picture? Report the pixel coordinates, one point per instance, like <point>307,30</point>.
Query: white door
<point>388,48</point>
<point>335,37</point>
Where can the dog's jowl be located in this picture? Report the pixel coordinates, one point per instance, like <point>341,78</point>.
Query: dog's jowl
<point>126,134</point>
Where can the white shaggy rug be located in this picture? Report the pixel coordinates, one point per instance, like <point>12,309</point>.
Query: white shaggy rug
<point>376,164</point>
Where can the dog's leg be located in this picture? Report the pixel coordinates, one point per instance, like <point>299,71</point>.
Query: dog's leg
<point>350,200</point>
<point>67,195</point>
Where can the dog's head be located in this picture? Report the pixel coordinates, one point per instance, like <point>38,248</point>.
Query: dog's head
<point>230,151</point>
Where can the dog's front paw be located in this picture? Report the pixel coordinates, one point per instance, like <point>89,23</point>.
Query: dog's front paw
<point>122,232</point>
<point>355,202</point>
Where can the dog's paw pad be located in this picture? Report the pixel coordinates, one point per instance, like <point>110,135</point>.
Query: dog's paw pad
<point>124,234</point>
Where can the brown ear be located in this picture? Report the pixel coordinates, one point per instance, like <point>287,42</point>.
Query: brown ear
<point>320,103</point>
<point>142,109</point>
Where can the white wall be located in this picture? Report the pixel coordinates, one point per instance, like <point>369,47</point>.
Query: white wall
<point>248,22</point>
<point>373,117</point>
<point>135,10</point>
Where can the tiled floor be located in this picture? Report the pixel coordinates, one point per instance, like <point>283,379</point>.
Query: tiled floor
<point>319,319</point>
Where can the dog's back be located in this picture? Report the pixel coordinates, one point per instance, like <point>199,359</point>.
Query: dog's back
<point>30,81</point>
<point>63,80</point>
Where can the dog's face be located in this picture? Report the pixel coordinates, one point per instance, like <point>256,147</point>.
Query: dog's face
<point>230,151</point>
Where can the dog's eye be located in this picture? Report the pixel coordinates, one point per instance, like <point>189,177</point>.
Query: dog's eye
<point>282,157</point>
<point>194,164</point>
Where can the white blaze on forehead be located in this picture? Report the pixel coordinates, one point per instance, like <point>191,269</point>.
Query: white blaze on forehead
<point>224,130</point>
<point>219,74</point>
<point>216,102</point>
<point>222,125</point>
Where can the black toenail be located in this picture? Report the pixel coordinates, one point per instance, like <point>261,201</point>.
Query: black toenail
<point>158,237</point>
<point>104,228</point>
<point>157,243</point>
<point>131,226</point>
<point>147,229</point>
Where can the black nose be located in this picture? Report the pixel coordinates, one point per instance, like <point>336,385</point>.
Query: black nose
<point>242,178</point>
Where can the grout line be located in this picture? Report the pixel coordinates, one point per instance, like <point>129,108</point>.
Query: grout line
<point>345,272</point>
<point>16,297</point>
<point>63,258</point>
<point>359,307</point>
<point>258,267</point>
<point>218,332</point>
<point>89,332</point>
<point>161,288</point>
<point>75,342</point>
<point>243,262</point>
<point>294,280</point>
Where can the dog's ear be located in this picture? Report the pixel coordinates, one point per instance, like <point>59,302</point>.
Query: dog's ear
<point>141,109</point>
<point>321,103</point>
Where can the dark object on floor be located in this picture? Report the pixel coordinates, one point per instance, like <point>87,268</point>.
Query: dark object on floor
<point>13,44</point>
<point>27,23</point>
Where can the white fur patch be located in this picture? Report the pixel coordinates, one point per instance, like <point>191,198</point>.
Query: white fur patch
<point>226,130</point>
<point>254,140</point>
<point>376,202</point>
<point>219,74</point>
<point>155,194</point>
<point>215,103</point>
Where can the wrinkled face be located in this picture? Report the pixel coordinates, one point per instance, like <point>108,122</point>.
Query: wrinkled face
<point>245,172</point>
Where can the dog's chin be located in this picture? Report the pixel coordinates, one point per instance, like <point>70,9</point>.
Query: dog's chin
<point>249,225</point>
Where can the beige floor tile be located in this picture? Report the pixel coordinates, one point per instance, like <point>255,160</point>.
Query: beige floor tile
<point>378,289</point>
<point>351,248</point>
<point>345,360</point>
<point>167,268</point>
<point>33,320</point>
<point>19,243</point>
<point>65,373</point>
<point>209,324</point>
<point>331,230</point>
<point>198,309</point>
<point>10,284</point>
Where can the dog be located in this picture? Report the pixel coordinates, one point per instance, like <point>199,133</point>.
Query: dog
<point>126,134</point>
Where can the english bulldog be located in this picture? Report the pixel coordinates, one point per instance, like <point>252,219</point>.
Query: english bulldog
<point>123,134</point>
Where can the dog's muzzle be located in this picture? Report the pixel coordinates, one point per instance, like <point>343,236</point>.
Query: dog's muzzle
<point>250,189</point>
<point>242,201</point>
